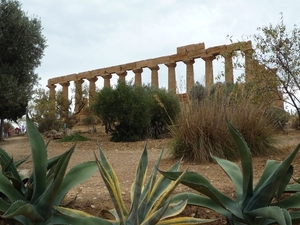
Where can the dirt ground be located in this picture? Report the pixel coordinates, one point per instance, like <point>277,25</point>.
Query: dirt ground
<point>92,196</point>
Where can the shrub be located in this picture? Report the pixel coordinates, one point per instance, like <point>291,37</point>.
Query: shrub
<point>49,123</point>
<point>254,204</point>
<point>134,112</point>
<point>200,128</point>
<point>164,108</point>
<point>74,138</point>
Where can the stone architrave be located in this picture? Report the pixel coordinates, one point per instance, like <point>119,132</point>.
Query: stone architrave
<point>107,78</point>
<point>171,76</point>
<point>209,73</point>
<point>92,89</point>
<point>154,75</point>
<point>189,74</point>
<point>122,75</point>
<point>138,76</point>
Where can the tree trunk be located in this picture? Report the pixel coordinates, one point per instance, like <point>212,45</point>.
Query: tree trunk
<point>1,129</point>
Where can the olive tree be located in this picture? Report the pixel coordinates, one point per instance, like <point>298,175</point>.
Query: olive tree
<point>21,50</point>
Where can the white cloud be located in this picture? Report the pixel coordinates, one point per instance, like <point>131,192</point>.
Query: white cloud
<point>91,34</point>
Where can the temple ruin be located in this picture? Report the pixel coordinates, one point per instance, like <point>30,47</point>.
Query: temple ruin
<point>186,54</point>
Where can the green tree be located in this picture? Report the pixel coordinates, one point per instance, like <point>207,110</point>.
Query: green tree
<point>21,50</point>
<point>277,49</point>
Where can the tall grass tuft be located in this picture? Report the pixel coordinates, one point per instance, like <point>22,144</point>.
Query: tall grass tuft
<point>201,129</point>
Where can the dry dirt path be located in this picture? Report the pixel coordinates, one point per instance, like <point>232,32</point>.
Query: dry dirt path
<point>92,196</point>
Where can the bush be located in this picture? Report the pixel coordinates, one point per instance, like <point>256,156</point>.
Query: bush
<point>74,138</point>
<point>201,130</point>
<point>136,112</point>
<point>49,123</point>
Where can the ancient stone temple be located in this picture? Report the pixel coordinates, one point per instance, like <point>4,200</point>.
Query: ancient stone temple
<point>186,54</point>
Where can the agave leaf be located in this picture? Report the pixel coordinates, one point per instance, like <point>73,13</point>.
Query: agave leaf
<point>153,218</point>
<point>270,167</point>
<point>292,188</point>
<point>39,158</point>
<point>202,201</point>
<point>46,200</point>
<point>284,182</point>
<point>167,192</point>
<point>144,198</point>
<point>175,208</point>
<point>263,196</point>
<point>234,173</point>
<point>290,202</point>
<point>295,216</point>
<point>246,161</point>
<point>158,189</point>
<point>137,188</point>
<point>75,176</point>
<point>9,169</point>
<point>21,161</point>
<point>72,216</point>
<point>8,190</point>
<point>22,208</point>
<point>112,183</point>
<point>185,220</point>
<point>281,216</point>
<point>202,185</point>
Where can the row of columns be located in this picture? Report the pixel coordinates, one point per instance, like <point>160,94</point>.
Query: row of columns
<point>209,77</point>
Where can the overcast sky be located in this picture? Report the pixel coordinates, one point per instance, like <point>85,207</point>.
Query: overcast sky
<point>92,34</point>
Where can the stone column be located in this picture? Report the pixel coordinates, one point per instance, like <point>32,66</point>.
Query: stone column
<point>248,64</point>
<point>92,89</point>
<point>138,76</point>
<point>209,73</point>
<point>65,99</point>
<point>52,99</point>
<point>122,76</point>
<point>78,94</point>
<point>171,76</point>
<point>107,80</point>
<point>189,74</point>
<point>228,67</point>
<point>154,75</point>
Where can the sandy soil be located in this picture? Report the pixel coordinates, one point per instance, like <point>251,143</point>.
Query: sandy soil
<point>92,195</point>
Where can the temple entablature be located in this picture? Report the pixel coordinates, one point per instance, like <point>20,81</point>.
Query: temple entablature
<point>184,54</point>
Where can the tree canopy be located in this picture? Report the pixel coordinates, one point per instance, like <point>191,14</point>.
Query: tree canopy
<point>21,50</point>
<point>277,49</point>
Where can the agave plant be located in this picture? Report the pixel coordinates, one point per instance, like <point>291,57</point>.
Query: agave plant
<point>31,200</point>
<point>151,200</point>
<point>254,204</point>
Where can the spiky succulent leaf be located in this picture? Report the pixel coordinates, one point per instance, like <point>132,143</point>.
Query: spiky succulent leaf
<point>147,190</point>
<point>112,184</point>
<point>160,186</point>
<point>39,158</point>
<point>45,203</point>
<point>21,208</point>
<point>264,194</point>
<point>185,220</point>
<point>233,172</point>
<point>21,161</point>
<point>77,174</point>
<point>278,215</point>
<point>137,188</point>
<point>246,161</point>
<point>202,201</point>
<point>202,185</point>
<point>72,216</point>
<point>9,191</point>
<point>290,202</point>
